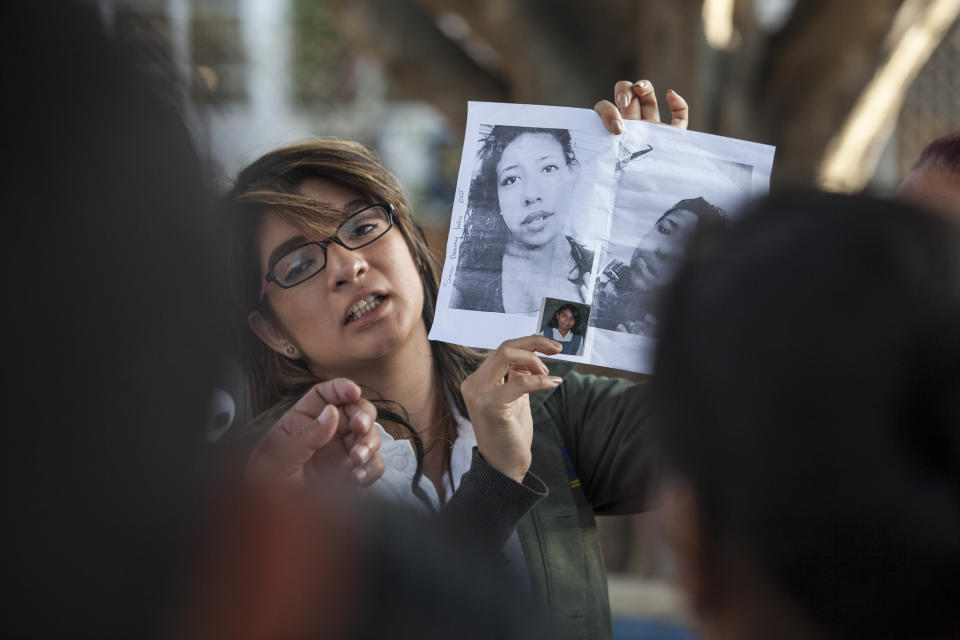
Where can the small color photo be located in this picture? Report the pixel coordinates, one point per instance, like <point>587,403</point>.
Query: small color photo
<point>566,322</point>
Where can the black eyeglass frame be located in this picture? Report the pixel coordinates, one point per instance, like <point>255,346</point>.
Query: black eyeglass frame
<point>389,209</point>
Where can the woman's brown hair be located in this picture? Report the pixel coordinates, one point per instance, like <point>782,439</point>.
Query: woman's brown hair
<point>270,185</point>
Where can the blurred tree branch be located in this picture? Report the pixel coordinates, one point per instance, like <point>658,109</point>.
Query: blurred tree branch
<point>815,69</point>
<point>793,88</point>
<point>418,57</point>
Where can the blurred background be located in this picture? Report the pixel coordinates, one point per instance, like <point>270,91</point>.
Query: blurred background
<point>848,90</point>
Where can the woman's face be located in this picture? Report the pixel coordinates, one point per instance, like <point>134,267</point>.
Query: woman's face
<point>662,250</point>
<point>319,316</point>
<point>565,320</point>
<point>534,184</point>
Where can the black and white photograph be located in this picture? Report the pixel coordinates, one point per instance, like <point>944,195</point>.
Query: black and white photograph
<point>550,206</point>
<point>565,322</point>
<point>628,287</point>
<point>669,185</point>
<point>518,242</point>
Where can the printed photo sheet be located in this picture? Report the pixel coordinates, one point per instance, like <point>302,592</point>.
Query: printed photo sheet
<point>561,228</point>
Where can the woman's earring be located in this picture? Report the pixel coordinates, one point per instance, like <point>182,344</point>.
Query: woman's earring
<point>290,350</point>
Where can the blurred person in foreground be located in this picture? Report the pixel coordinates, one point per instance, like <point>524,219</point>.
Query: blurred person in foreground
<point>934,181</point>
<point>108,350</point>
<point>808,383</point>
<point>114,523</point>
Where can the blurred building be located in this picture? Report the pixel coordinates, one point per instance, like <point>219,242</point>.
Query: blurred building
<point>257,74</point>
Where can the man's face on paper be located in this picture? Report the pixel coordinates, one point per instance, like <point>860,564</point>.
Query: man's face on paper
<point>662,250</point>
<point>534,184</point>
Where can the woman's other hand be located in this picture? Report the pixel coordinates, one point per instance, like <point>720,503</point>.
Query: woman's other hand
<point>329,431</point>
<point>638,101</point>
<point>497,400</point>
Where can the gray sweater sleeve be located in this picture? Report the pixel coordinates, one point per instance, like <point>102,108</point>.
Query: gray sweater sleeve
<point>488,505</point>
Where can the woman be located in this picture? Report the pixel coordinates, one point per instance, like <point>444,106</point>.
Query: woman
<point>515,250</point>
<point>564,327</point>
<point>338,288</point>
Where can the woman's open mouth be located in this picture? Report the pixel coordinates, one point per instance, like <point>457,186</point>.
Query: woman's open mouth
<point>364,306</point>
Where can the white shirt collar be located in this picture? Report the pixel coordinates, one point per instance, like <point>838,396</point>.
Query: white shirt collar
<point>400,464</point>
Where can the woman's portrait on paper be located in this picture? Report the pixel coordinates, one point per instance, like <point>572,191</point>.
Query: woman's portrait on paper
<point>517,245</point>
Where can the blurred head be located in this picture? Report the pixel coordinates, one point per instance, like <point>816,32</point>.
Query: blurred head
<point>566,318</point>
<point>934,181</point>
<point>662,249</point>
<point>808,385</point>
<point>109,343</point>
<point>363,305</point>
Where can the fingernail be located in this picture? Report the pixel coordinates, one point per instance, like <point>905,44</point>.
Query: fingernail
<point>326,416</point>
<point>623,100</point>
<point>556,379</point>
<point>363,452</point>
<point>642,84</point>
<point>618,126</point>
<point>360,474</point>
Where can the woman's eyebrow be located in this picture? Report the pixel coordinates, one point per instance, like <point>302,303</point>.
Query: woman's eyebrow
<point>284,248</point>
<point>516,164</point>
<point>359,203</point>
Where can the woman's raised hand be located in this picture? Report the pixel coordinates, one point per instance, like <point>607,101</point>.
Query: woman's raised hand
<point>638,101</point>
<point>497,400</point>
<point>328,432</point>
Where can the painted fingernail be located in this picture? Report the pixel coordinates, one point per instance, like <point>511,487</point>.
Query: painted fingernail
<point>623,100</point>
<point>617,126</point>
<point>363,452</point>
<point>360,474</point>
<point>326,416</point>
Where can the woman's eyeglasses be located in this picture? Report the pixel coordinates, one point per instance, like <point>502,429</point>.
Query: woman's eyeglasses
<point>302,263</point>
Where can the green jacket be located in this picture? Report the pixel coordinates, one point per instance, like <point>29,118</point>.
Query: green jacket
<point>591,447</point>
